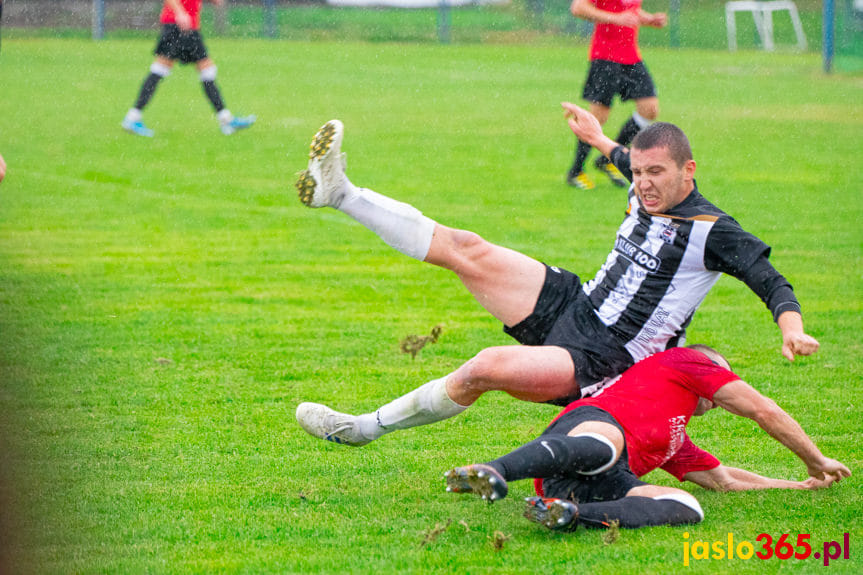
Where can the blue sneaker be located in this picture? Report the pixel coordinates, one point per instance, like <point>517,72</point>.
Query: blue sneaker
<point>138,128</point>
<point>235,124</point>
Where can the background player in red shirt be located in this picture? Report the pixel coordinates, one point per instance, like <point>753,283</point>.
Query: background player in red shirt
<point>181,40</point>
<point>616,68</point>
<point>589,460</point>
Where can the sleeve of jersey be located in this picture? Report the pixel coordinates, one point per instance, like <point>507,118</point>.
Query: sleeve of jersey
<point>698,373</point>
<point>738,253</point>
<point>689,458</point>
<point>620,158</point>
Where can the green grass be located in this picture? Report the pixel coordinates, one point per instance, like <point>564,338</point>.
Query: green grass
<point>165,304</point>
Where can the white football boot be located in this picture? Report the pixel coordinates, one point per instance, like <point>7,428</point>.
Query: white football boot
<point>323,183</point>
<point>321,421</point>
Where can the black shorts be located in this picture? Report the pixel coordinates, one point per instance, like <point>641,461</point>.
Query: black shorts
<point>564,317</point>
<point>609,485</point>
<point>606,79</point>
<point>174,44</point>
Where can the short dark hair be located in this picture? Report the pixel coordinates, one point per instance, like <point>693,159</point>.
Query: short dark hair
<point>665,135</point>
<point>707,350</point>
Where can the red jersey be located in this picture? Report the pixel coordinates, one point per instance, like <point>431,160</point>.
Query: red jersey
<point>653,401</point>
<point>193,7</point>
<point>615,43</point>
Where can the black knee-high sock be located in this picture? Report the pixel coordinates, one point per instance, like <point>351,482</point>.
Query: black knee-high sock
<point>633,512</point>
<point>628,131</point>
<point>212,92</point>
<point>552,455</point>
<point>581,152</point>
<point>148,88</point>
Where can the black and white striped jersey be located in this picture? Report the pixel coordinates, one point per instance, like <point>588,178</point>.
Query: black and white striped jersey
<point>663,265</point>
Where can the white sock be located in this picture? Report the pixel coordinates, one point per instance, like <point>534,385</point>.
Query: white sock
<point>225,116</point>
<point>133,115</point>
<point>640,120</point>
<point>400,225</point>
<point>426,404</point>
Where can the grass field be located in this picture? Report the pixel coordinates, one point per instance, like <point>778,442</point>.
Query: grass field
<point>165,304</point>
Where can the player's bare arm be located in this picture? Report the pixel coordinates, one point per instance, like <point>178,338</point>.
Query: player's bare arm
<point>742,399</point>
<point>654,20</point>
<point>184,21</point>
<point>586,10</point>
<point>724,478</point>
<point>794,340</point>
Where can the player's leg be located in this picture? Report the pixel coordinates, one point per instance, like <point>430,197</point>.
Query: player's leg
<point>644,506</point>
<point>600,87</point>
<point>531,373</point>
<point>576,176</point>
<point>133,122</point>
<point>506,283</point>
<point>590,448</point>
<point>207,71</point>
<point>604,164</point>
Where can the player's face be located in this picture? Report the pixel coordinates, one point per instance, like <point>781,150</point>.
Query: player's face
<point>659,182</point>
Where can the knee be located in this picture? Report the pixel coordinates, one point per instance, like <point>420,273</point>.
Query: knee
<point>483,370</point>
<point>648,110</point>
<point>466,249</point>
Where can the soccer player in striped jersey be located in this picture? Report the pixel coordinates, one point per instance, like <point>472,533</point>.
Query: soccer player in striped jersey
<point>672,246</point>
<point>181,41</point>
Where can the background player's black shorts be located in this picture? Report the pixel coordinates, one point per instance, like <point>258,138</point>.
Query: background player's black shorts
<point>564,317</point>
<point>609,485</point>
<point>606,79</point>
<point>187,47</point>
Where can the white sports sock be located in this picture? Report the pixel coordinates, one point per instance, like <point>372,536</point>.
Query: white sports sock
<point>133,115</point>
<point>225,116</point>
<point>426,404</point>
<point>400,225</point>
<point>640,120</point>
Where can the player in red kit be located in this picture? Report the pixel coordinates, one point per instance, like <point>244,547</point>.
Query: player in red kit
<point>181,41</point>
<point>616,68</point>
<point>587,463</point>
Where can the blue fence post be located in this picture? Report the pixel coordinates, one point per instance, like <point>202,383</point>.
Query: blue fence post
<point>270,24</point>
<point>674,23</point>
<point>98,19</point>
<point>827,49</point>
<point>443,22</point>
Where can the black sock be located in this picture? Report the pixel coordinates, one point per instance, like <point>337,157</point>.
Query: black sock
<point>212,92</point>
<point>148,88</point>
<point>633,512</point>
<point>628,131</point>
<point>552,455</point>
<point>581,152</point>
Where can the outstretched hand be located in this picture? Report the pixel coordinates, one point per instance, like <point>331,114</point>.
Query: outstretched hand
<point>798,343</point>
<point>829,470</point>
<point>655,20</point>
